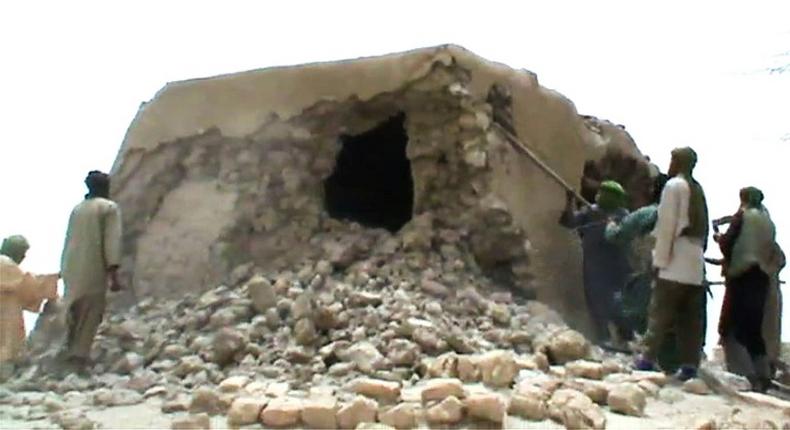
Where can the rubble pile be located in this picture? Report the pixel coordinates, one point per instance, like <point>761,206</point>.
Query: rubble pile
<point>393,337</point>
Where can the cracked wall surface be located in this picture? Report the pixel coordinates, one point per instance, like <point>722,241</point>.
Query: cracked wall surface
<point>223,171</point>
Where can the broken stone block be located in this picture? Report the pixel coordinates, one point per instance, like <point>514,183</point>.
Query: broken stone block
<point>320,413</point>
<point>597,391</point>
<point>498,368</point>
<point>500,313</point>
<point>402,352</point>
<point>233,384</point>
<point>262,294</point>
<point>129,363</point>
<point>575,410</point>
<point>360,410</point>
<point>205,400</point>
<point>440,389</point>
<point>627,399</point>
<point>225,344</point>
<point>468,370</point>
<point>304,332</point>
<point>376,389</point>
<point>448,411</point>
<point>367,358</point>
<point>282,412</point>
<point>528,407</point>
<point>434,288</point>
<point>192,422</point>
<point>486,406</point>
<point>401,417</point>
<point>568,345</point>
<point>585,369</point>
<point>245,410</point>
<point>444,366</point>
<point>696,386</point>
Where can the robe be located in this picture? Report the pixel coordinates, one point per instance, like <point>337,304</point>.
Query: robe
<point>19,291</point>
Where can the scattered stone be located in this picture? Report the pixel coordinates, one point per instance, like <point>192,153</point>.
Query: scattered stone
<point>129,363</point>
<point>233,384</point>
<point>360,410</point>
<point>649,388</point>
<point>440,389</point>
<point>282,412</point>
<point>367,358</point>
<point>498,368</point>
<point>567,345</point>
<point>304,332</point>
<point>585,369</point>
<point>373,426</point>
<point>467,368</point>
<point>402,416</point>
<point>320,413</point>
<point>116,397</point>
<point>486,406</point>
<point>627,399</point>
<point>225,344</point>
<point>179,404</point>
<point>205,400</point>
<point>528,407</point>
<point>192,422</point>
<point>402,352</point>
<point>261,293</point>
<point>696,386</point>
<point>705,424</point>
<point>597,391</point>
<point>377,389</point>
<point>448,411</point>
<point>189,365</point>
<point>434,288</point>
<point>74,420</point>
<point>575,410</point>
<point>245,410</point>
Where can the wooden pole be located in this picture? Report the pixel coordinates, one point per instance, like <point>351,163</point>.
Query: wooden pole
<point>524,149</point>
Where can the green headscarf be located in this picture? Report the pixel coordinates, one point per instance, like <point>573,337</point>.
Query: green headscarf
<point>686,159</point>
<point>15,247</point>
<point>611,196</point>
<point>752,197</point>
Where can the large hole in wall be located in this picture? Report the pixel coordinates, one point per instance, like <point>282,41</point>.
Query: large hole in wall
<point>372,182</point>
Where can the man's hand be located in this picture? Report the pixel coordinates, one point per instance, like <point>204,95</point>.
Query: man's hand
<point>717,237</point>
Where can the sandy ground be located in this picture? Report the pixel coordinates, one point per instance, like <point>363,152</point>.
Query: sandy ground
<point>684,411</point>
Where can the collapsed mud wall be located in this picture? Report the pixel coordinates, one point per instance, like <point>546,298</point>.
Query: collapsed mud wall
<point>224,171</point>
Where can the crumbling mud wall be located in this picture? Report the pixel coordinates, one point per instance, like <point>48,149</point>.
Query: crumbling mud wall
<point>221,172</point>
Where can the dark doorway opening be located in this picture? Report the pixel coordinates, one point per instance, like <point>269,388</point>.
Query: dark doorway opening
<point>372,182</point>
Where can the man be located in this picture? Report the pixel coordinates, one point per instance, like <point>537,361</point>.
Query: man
<point>679,293</point>
<point>19,291</point>
<point>632,232</point>
<point>749,250</point>
<point>90,261</point>
<point>606,266</point>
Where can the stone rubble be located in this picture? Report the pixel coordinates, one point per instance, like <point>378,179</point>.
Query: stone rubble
<point>365,346</point>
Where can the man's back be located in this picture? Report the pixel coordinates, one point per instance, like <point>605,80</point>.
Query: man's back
<point>92,246</point>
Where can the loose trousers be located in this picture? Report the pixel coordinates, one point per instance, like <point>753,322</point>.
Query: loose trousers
<point>83,318</point>
<point>676,307</point>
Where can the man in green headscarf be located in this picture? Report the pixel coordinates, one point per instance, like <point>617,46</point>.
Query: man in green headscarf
<point>750,262</point>
<point>679,294</point>
<point>606,266</point>
<point>19,290</point>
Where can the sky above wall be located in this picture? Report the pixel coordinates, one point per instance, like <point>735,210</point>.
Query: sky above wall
<point>674,73</point>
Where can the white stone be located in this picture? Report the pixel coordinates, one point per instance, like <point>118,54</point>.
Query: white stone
<point>376,388</point>
<point>402,416</point>
<point>359,410</point>
<point>627,399</point>
<point>282,412</point>
<point>439,389</point>
<point>486,406</point>
<point>448,411</point>
<point>245,410</point>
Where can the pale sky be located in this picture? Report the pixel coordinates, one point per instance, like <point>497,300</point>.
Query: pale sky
<point>674,73</point>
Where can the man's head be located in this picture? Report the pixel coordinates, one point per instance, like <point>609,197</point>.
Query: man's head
<point>15,247</point>
<point>683,161</point>
<point>751,197</point>
<point>98,184</point>
<point>611,195</point>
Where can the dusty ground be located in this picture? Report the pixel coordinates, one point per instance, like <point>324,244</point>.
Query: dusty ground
<point>685,411</point>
